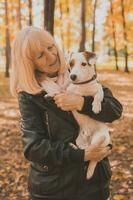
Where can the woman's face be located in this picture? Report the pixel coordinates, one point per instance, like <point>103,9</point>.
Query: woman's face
<point>47,60</point>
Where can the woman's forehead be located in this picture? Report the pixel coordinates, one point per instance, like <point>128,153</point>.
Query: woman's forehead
<point>42,37</point>
<point>38,41</point>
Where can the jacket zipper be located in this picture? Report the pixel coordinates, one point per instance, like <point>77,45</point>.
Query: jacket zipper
<point>47,123</point>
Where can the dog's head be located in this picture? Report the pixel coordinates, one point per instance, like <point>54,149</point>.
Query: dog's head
<point>81,66</point>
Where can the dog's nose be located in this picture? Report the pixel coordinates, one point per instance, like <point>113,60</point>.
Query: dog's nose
<point>73,77</point>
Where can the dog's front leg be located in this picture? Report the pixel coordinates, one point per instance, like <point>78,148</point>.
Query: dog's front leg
<point>98,98</point>
<point>50,87</point>
<point>91,168</point>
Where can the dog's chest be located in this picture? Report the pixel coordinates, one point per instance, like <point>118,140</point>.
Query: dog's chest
<point>85,89</point>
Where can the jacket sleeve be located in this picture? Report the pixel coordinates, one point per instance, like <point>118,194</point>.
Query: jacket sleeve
<point>111,107</point>
<point>37,147</point>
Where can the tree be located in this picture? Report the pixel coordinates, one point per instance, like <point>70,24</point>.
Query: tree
<point>122,18</point>
<point>68,27</point>
<point>30,12</point>
<point>114,36</point>
<point>61,20</point>
<point>125,36</point>
<point>94,26</point>
<point>7,34</point>
<point>49,6</point>
<point>83,30</point>
<point>19,14</point>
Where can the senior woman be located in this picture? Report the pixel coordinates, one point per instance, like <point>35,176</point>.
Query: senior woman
<point>49,130</point>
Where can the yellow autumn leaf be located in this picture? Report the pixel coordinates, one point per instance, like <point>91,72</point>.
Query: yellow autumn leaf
<point>118,197</point>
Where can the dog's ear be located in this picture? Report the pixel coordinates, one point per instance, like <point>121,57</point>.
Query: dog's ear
<point>92,60</point>
<point>90,57</point>
<point>68,58</point>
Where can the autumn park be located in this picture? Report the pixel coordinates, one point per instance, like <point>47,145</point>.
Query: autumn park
<point>101,26</point>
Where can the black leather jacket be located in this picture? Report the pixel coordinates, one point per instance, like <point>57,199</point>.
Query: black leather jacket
<point>58,170</point>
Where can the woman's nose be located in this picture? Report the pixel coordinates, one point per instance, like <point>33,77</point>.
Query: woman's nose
<point>50,56</point>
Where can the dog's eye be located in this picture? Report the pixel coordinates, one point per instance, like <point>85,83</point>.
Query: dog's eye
<point>71,64</point>
<point>83,64</point>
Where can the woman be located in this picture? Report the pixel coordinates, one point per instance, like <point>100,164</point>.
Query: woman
<point>57,166</point>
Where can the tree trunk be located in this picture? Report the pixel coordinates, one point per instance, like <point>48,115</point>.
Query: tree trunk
<point>30,13</point>
<point>125,36</point>
<point>49,6</point>
<point>19,14</point>
<point>83,30</point>
<point>94,26</point>
<point>61,31</point>
<point>114,37</point>
<point>68,27</point>
<point>7,48</point>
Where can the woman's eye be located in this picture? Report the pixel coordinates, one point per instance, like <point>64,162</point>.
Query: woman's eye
<point>50,47</point>
<point>41,54</point>
<point>83,64</point>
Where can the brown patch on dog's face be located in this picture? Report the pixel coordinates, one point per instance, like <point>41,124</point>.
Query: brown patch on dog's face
<point>72,63</point>
<point>88,55</point>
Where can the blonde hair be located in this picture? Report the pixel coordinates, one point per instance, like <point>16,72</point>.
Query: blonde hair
<point>22,74</point>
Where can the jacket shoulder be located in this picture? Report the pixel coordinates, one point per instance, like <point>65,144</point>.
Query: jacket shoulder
<point>28,96</point>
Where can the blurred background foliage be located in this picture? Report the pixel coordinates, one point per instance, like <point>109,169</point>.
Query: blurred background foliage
<point>103,26</point>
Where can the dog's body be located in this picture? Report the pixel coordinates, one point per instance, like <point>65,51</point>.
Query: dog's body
<point>83,82</point>
<point>90,129</point>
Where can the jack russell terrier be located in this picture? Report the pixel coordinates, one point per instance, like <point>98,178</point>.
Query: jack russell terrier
<point>83,82</point>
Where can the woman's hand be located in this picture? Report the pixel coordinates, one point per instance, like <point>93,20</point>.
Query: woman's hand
<point>95,152</point>
<point>68,101</point>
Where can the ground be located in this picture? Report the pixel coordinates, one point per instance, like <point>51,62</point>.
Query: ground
<point>14,167</point>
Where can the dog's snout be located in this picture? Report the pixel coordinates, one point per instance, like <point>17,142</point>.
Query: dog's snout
<point>73,77</point>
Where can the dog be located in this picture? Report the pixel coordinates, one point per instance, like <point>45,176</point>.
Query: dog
<point>83,82</point>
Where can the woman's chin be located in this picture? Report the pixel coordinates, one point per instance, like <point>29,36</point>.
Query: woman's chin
<point>52,74</point>
<point>52,69</point>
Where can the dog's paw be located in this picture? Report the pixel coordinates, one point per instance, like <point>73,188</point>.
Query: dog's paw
<point>89,174</point>
<point>96,107</point>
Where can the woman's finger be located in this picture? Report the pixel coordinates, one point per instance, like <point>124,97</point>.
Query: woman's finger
<point>59,96</point>
<point>73,145</point>
<point>99,142</point>
<point>107,153</point>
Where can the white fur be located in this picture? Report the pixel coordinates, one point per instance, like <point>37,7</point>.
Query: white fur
<point>90,129</point>
<point>83,73</point>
